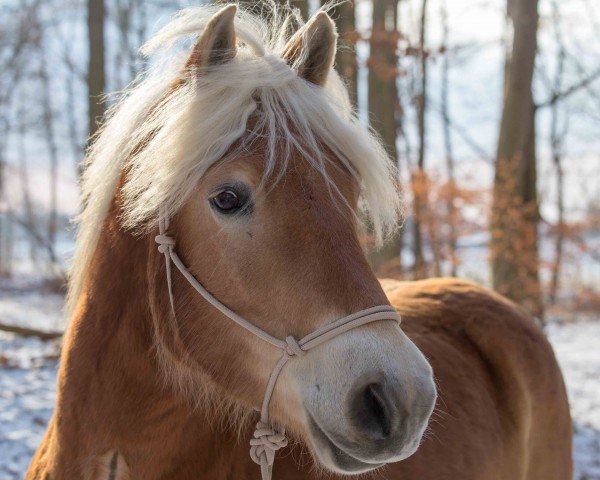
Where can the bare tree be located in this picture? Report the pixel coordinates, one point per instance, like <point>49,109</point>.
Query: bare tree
<point>128,14</point>
<point>514,238</point>
<point>11,72</point>
<point>48,120</point>
<point>451,211</point>
<point>5,229</point>
<point>24,178</point>
<point>346,62</point>
<point>96,76</point>
<point>383,96</point>
<point>74,75</point>
<point>419,179</point>
<point>557,145</point>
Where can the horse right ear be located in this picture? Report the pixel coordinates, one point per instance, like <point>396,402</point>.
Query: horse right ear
<point>311,50</point>
<point>217,43</point>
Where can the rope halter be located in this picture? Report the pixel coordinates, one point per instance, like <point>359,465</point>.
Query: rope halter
<point>267,439</point>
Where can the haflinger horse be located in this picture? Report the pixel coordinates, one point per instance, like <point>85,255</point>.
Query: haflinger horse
<point>247,166</point>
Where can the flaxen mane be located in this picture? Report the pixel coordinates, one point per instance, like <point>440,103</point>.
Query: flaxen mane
<point>196,125</point>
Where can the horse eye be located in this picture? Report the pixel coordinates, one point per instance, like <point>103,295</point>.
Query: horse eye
<point>228,201</point>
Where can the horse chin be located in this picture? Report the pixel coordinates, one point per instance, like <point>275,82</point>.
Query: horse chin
<point>332,456</point>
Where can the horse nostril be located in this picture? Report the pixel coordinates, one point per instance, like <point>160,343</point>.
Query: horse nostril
<point>375,404</point>
<point>371,412</point>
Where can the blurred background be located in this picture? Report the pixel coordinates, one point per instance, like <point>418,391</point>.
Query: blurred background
<point>491,109</point>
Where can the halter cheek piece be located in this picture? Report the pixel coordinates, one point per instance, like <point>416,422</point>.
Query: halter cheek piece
<point>267,439</point>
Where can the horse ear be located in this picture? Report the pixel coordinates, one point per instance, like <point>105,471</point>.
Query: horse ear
<point>311,50</point>
<point>217,43</point>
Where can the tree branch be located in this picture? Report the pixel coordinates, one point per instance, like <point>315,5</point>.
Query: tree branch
<point>558,96</point>
<point>30,332</point>
<point>464,135</point>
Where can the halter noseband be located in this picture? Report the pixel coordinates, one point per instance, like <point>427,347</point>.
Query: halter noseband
<point>267,439</point>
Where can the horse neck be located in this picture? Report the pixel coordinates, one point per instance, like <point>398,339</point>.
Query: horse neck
<point>112,396</point>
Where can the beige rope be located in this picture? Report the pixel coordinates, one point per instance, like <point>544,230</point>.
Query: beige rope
<point>267,439</point>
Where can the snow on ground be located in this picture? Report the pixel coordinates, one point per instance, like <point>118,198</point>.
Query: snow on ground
<point>27,302</point>
<point>27,394</point>
<point>576,346</point>
<point>28,377</point>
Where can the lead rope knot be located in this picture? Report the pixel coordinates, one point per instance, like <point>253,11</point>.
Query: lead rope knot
<point>165,243</point>
<point>265,442</point>
<point>293,348</point>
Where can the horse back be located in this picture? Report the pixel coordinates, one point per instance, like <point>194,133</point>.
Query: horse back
<point>502,411</point>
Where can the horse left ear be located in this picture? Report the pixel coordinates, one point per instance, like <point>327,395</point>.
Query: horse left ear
<point>311,50</point>
<point>217,43</point>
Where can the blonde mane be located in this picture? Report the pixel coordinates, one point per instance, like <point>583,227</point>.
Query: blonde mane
<point>186,131</point>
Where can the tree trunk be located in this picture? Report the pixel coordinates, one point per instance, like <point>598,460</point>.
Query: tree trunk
<point>560,228</point>
<point>384,102</point>
<point>96,75</point>
<point>514,240</point>
<point>24,179</point>
<point>346,63</point>
<point>70,101</point>
<point>301,5</point>
<point>30,332</point>
<point>3,206</point>
<point>50,137</point>
<point>419,178</point>
<point>451,211</point>
<point>556,145</point>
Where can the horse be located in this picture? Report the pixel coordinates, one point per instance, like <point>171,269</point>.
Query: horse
<point>244,161</point>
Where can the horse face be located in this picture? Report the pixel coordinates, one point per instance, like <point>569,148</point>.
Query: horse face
<point>288,258</point>
<point>286,255</point>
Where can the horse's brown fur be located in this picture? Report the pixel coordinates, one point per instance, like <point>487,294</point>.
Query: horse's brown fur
<point>502,411</point>
<point>147,395</point>
<point>126,386</point>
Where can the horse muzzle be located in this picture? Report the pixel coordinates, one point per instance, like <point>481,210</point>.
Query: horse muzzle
<point>375,412</point>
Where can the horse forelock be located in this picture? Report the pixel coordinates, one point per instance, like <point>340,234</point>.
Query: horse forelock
<point>184,131</point>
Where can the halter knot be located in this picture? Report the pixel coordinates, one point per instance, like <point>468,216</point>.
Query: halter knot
<point>293,348</point>
<point>164,242</point>
<point>265,442</point>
